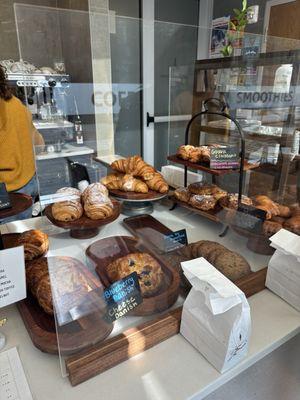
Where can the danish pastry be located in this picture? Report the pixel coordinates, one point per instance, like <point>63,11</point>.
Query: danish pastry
<point>149,272</point>
<point>231,201</point>
<point>182,194</point>
<point>203,202</point>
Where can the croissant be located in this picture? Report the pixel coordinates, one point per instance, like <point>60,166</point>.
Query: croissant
<point>126,183</point>
<point>68,210</point>
<point>158,183</point>
<point>135,166</point>
<point>266,204</point>
<point>35,242</point>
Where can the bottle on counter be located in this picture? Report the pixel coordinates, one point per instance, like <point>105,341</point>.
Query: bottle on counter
<point>78,126</point>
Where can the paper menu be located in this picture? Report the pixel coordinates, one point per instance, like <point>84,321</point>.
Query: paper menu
<point>13,383</point>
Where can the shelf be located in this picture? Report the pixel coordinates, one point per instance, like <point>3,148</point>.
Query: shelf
<point>53,125</point>
<point>217,172</point>
<point>68,151</point>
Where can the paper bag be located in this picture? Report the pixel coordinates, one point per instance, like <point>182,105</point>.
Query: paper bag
<point>216,315</point>
<point>283,276</point>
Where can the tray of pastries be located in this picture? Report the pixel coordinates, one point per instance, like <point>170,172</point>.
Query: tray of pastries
<point>135,180</point>
<point>71,283</point>
<point>198,157</point>
<point>35,242</point>
<point>116,257</point>
<point>83,213</point>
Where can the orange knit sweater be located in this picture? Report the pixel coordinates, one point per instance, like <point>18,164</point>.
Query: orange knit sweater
<point>17,165</point>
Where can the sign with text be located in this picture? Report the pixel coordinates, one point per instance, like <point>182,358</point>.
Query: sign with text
<point>175,240</point>
<point>12,276</point>
<point>122,297</point>
<point>226,157</point>
<point>4,197</point>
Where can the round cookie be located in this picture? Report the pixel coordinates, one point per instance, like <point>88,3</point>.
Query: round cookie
<point>232,265</point>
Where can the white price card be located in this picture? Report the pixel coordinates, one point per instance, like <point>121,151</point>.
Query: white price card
<point>12,276</point>
<point>13,383</point>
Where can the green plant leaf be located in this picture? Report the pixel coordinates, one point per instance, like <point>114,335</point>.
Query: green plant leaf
<point>236,11</point>
<point>244,5</point>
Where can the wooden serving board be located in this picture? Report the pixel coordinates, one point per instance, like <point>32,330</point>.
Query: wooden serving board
<point>206,168</point>
<point>84,227</point>
<point>103,252</point>
<point>132,196</point>
<point>73,337</point>
<point>112,352</point>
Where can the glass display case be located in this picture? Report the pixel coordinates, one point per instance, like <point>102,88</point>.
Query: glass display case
<point>104,256</point>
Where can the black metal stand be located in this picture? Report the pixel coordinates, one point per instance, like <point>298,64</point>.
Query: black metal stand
<point>225,115</point>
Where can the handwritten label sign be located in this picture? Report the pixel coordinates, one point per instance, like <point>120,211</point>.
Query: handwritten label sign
<point>175,240</point>
<point>122,297</point>
<point>12,276</point>
<point>4,198</point>
<point>226,157</point>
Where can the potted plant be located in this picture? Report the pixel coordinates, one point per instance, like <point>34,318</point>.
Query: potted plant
<point>236,30</point>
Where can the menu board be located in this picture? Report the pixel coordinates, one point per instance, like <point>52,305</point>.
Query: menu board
<point>13,383</point>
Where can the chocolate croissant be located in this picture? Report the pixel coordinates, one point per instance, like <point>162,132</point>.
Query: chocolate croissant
<point>70,207</point>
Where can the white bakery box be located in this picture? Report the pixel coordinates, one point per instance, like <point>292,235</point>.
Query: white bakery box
<point>283,276</point>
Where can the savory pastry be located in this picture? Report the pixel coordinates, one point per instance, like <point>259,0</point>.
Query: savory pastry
<point>125,183</point>
<point>158,184</point>
<point>35,242</point>
<point>135,166</point>
<point>231,201</point>
<point>184,152</point>
<point>182,194</point>
<point>149,272</point>
<point>205,154</point>
<point>271,227</point>
<point>70,207</point>
<point>203,202</point>
<point>293,224</point>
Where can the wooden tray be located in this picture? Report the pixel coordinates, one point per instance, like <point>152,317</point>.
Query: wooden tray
<point>103,252</point>
<point>10,240</point>
<point>19,202</point>
<point>132,196</point>
<point>213,215</point>
<point>84,227</point>
<point>73,337</point>
<point>206,168</point>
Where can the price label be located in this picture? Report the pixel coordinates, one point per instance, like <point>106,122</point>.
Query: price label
<point>175,240</point>
<point>226,157</point>
<point>4,197</point>
<point>12,276</point>
<point>122,297</point>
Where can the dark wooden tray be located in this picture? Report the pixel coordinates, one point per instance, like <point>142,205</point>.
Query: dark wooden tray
<point>103,252</point>
<point>132,196</point>
<point>74,336</point>
<point>138,226</point>
<point>19,203</point>
<point>206,168</point>
<point>84,227</point>
<point>10,240</point>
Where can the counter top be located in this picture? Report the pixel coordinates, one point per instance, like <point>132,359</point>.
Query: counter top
<point>173,369</point>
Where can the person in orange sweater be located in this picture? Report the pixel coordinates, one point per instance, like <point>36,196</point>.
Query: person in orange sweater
<point>17,137</point>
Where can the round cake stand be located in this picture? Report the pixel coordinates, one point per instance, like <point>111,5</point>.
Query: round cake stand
<point>133,207</point>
